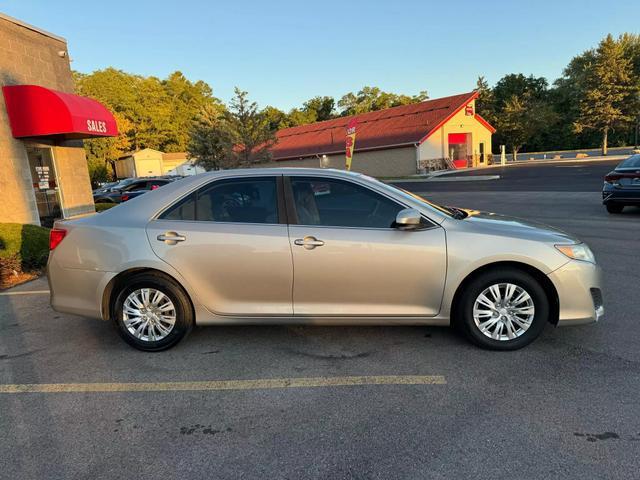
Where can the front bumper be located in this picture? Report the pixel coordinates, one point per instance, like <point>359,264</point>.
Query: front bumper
<point>579,290</point>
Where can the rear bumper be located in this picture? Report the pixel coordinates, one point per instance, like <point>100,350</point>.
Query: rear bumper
<point>579,291</point>
<point>625,196</point>
<point>76,291</point>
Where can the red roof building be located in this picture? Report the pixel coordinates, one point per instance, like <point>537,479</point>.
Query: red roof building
<point>395,141</point>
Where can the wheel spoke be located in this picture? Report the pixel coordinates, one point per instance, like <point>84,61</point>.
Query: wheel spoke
<point>495,291</point>
<point>511,332</point>
<point>484,313</point>
<point>157,296</point>
<point>528,310</point>
<point>485,326</point>
<point>523,297</point>
<point>133,298</point>
<point>509,292</point>
<point>484,300</point>
<point>166,307</point>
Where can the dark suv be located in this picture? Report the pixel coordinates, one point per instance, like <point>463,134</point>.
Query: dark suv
<point>622,185</point>
<point>129,188</point>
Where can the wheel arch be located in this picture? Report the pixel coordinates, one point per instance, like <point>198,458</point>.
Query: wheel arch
<point>544,281</point>
<point>110,290</point>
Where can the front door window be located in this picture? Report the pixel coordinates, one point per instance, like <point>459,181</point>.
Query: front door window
<point>44,183</point>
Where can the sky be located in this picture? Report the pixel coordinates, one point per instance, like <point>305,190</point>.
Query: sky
<point>285,52</point>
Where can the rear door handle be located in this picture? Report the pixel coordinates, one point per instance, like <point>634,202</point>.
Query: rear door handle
<point>171,238</point>
<point>308,242</point>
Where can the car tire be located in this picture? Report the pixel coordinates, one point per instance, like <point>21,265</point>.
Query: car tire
<point>152,321</point>
<point>614,208</point>
<point>473,315</point>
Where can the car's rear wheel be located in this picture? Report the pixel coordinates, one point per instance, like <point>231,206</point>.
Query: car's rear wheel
<point>503,309</point>
<point>614,208</point>
<point>152,313</point>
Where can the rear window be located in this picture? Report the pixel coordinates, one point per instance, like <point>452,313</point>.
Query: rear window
<point>631,162</point>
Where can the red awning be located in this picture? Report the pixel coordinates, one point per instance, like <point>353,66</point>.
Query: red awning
<point>36,111</point>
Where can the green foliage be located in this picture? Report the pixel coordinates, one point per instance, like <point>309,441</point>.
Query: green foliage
<point>249,130</point>
<point>23,247</point>
<point>151,113</point>
<point>211,139</point>
<point>237,137</point>
<point>322,108</point>
<point>598,91</point>
<point>609,93</point>
<point>101,207</point>
<point>369,99</point>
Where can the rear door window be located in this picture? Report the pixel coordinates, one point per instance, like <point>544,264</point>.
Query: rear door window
<point>241,200</point>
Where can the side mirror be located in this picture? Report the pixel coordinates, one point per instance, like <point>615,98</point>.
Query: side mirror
<point>408,219</point>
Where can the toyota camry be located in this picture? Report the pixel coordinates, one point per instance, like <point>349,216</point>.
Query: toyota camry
<point>307,246</point>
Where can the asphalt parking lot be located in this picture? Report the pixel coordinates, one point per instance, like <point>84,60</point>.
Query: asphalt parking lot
<point>564,407</point>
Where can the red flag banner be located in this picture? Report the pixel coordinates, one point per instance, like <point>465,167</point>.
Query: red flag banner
<point>350,142</point>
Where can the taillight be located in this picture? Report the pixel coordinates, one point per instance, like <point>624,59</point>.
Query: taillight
<point>612,178</point>
<point>56,235</point>
<point>124,198</point>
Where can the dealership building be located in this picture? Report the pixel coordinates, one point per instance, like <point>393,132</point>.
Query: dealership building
<point>43,168</point>
<point>405,140</point>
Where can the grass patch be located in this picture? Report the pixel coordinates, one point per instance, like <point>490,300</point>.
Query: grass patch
<point>101,207</point>
<point>24,250</point>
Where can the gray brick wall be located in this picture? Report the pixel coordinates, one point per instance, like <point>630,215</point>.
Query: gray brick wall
<point>31,57</point>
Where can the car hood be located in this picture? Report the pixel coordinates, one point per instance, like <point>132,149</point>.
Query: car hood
<point>495,224</point>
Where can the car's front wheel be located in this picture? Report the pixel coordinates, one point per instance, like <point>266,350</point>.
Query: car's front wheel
<point>503,309</point>
<point>151,312</point>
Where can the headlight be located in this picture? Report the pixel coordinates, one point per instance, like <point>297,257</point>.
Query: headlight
<point>577,252</point>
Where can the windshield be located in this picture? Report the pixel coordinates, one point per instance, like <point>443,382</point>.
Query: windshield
<point>124,183</point>
<point>631,162</point>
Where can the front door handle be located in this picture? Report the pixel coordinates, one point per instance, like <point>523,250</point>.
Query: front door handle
<point>308,242</point>
<point>171,238</point>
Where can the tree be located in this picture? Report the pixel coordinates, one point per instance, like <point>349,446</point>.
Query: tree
<point>158,113</point>
<point>521,118</point>
<point>276,118</point>
<point>252,134</point>
<point>321,107</point>
<point>610,96</point>
<point>485,103</point>
<point>238,137</point>
<point>102,153</point>
<point>370,99</point>
<point>210,139</point>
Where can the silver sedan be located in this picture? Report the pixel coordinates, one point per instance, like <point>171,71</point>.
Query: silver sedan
<point>310,246</point>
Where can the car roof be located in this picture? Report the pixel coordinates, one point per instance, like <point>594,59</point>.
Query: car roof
<point>136,212</point>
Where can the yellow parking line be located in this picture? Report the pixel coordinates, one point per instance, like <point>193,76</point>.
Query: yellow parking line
<point>26,292</point>
<point>224,384</point>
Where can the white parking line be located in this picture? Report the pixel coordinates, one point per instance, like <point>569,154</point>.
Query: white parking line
<point>259,384</point>
<point>26,292</point>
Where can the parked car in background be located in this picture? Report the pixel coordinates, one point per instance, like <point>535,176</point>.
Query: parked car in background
<point>622,185</point>
<point>130,188</point>
<point>105,187</point>
<point>222,248</point>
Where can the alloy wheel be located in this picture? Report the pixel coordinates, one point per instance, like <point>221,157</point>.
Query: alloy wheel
<point>148,314</point>
<point>503,311</point>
